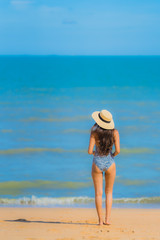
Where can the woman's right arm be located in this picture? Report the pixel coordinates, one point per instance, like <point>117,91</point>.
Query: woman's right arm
<point>91,144</point>
<point>116,143</point>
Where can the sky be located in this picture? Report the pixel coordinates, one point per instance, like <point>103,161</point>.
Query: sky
<point>80,27</point>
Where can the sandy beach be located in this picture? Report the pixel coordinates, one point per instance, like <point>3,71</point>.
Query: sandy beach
<point>77,223</point>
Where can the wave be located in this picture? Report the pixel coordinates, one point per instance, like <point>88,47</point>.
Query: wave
<point>72,130</point>
<point>64,119</point>
<point>61,150</point>
<point>19,187</point>
<point>31,150</point>
<point>135,182</point>
<point>15,188</point>
<point>134,118</point>
<point>64,201</point>
<point>43,184</point>
<point>133,128</point>
<point>6,130</point>
<point>137,150</point>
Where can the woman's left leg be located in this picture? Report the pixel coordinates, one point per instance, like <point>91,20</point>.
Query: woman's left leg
<point>109,182</point>
<point>97,177</point>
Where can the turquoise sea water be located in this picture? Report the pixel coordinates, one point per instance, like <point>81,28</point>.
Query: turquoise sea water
<point>45,110</point>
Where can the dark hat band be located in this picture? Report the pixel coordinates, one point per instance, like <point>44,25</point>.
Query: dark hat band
<point>103,119</point>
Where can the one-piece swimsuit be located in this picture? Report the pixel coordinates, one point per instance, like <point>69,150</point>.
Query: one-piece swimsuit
<point>103,162</point>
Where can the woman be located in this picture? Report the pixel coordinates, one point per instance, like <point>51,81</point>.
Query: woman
<point>103,136</point>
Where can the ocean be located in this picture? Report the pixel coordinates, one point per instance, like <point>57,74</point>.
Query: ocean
<point>46,104</point>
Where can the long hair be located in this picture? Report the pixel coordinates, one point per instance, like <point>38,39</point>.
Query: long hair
<point>104,139</point>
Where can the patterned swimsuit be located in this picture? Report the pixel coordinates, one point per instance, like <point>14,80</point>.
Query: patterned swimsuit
<point>103,162</point>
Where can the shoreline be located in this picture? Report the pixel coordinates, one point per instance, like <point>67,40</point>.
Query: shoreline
<point>78,223</point>
<point>86,206</point>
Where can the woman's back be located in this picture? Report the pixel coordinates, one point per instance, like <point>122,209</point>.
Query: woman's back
<point>97,152</point>
<point>104,140</point>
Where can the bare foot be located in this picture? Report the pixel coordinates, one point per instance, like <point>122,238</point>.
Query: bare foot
<point>100,222</point>
<point>106,223</point>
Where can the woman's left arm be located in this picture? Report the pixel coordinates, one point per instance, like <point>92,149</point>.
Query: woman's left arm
<point>91,145</point>
<point>116,143</point>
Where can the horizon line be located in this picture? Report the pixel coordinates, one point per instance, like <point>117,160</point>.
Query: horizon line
<point>77,55</point>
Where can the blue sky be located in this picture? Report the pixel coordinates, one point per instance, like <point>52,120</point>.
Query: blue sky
<point>84,27</point>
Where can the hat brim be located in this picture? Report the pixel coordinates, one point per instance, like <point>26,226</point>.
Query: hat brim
<point>100,122</point>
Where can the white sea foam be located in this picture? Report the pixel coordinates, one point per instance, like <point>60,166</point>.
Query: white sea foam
<point>65,201</point>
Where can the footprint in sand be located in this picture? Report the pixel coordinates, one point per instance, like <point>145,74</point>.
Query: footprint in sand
<point>34,239</point>
<point>52,230</point>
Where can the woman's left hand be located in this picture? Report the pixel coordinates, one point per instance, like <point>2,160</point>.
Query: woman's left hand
<point>112,154</point>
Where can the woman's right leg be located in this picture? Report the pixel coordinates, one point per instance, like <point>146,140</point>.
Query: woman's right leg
<point>109,182</point>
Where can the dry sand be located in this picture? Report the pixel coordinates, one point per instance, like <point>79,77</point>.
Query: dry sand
<point>78,223</point>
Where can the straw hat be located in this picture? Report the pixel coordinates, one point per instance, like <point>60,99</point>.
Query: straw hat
<point>104,119</point>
